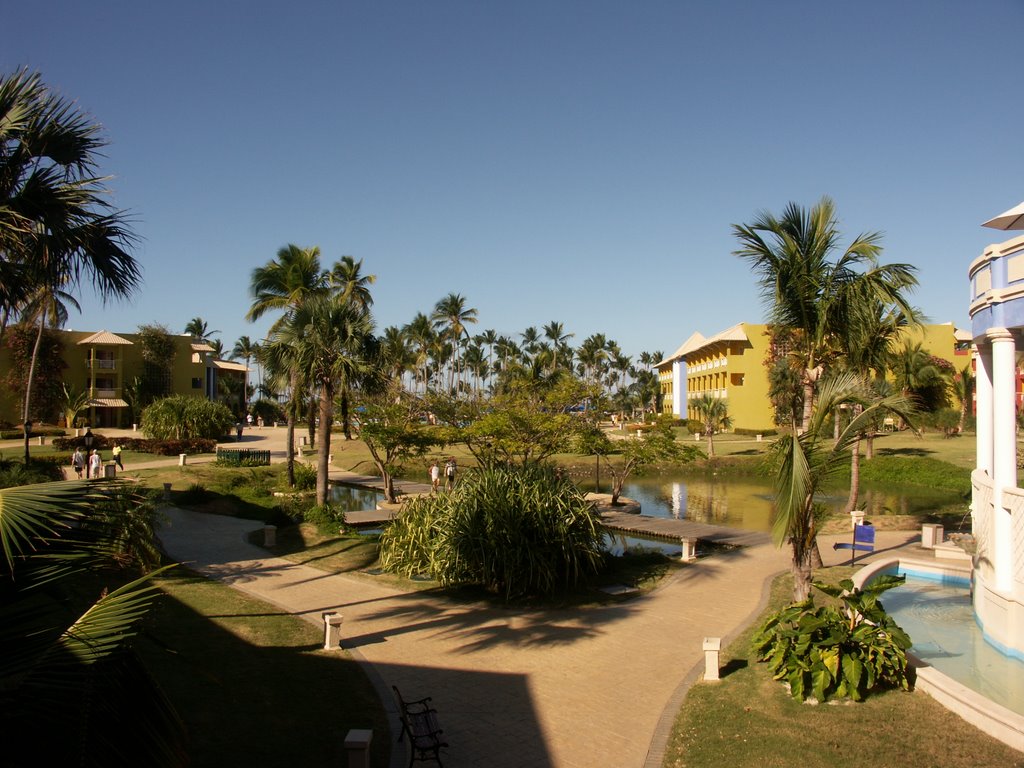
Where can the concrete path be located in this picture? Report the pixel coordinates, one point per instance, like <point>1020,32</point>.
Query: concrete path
<point>577,688</point>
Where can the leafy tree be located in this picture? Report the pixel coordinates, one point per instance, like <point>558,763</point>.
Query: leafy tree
<point>655,445</point>
<point>158,353</point>
<point>69,680</point>
<point>921,376</point>
<point>23,343</point>
<point>810,293</point>
<point>392,432</point>
<point>714,413</point>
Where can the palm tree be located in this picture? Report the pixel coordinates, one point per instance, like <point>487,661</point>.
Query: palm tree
<point>68,678</point>
<point>714,412</point>
<point>245,349</point>
<point>809,292</point>
<point>286,283</point>
<point>420,333</point>
<point>198,329</point>
<point>329,341</point>
<point>963,390</point>
<point>345,278</point>
<point>57,226</point>
<point>450,317</point>
<point>913,369</point>
<point>555,333</point>
<point>807,460</point>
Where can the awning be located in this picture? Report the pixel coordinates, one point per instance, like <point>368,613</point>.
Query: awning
<point>107,402</point>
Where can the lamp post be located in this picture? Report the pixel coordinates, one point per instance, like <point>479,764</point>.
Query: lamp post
<point>28,434</point>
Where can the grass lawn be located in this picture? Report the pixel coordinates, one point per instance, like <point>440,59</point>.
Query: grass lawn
<point>254,685</point>
<point>748,720</point>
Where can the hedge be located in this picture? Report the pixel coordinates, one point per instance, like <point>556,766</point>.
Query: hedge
<point>243,457</point>
<point>139,444</point>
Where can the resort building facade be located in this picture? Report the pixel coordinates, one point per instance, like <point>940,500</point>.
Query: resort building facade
<point>733,365</point>
<point>107,366</point>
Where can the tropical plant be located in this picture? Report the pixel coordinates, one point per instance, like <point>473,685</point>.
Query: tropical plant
<point>158,353</point>
<point>182,417</point>
<point>806,461</point>
<point>809,293</point>
<point>74,403</point>
<point>347,280</point>
<point>68,678</point>
<point>962,384</point>
<point>826,652</point>
<point>450,317</point>
<point>522,531</point>
<point>199,329</point>
<point>392,433</point>
<point>713,412</point>
<point>56,222</point>
<point>285,283</point>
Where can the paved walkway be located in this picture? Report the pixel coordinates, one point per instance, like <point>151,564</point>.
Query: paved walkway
<point>574,688</point>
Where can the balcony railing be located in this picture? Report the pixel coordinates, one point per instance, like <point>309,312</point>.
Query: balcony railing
<point>106,365</point>
<point>105,393</point>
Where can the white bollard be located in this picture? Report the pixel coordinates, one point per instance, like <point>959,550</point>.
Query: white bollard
<point>269,535</point>
<point>712,648</point>
<point>759,438</point>
<point>181,459</point>
<point>357,747</point>
<point>332,630</point>
<point>932,535</point>
<point>689,549</point>
<point>856,518</point>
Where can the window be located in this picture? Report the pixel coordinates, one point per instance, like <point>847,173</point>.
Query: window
<point>197,383</point>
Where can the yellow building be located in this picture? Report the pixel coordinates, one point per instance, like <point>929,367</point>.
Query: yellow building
<point>103,364</point>
<point>732,365</point>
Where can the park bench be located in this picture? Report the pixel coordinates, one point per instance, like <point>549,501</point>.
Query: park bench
<point>863,541</point>
<point>419,723</point>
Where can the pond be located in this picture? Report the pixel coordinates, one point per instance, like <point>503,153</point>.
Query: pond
<point>744,502</point>
<point>354,498</point>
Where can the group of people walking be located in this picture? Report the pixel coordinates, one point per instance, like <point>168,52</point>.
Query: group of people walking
<point>449,475</point>
<point>92,465</point>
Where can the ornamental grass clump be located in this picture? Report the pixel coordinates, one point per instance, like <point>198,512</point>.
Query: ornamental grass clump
<point>831,652</point>
<point>522,531</point>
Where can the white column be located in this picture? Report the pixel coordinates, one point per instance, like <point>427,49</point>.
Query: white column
<point>1004,449</point>
<point>679,389</point>
<point>983,400</point>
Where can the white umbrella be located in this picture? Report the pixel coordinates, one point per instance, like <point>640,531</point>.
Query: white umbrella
<point>1011,219</point>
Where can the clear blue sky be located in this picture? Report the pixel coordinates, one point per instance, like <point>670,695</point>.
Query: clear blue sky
<point>581,162</point>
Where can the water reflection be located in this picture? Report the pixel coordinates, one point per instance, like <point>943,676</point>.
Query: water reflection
<point>353,498</point>
<point>747,502</point>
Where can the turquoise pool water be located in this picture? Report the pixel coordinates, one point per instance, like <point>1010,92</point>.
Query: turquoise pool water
<point>939,617</point>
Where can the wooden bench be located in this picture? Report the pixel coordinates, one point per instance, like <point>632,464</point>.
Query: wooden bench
<point>863,541</point>
<point>419,723</point>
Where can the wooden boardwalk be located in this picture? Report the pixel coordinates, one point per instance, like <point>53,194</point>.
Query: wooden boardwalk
<point>625,518</point>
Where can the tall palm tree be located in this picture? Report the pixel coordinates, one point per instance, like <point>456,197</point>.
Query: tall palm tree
<point>962,385</point>
<point>346,278</point>
<point>451,315</point>
<point>329,342</point>
<point>806,462</point>
<point>286,283</point>
<point>809,292</point>
<point>555,333</point>
<point>57,227</point>
<point>199,329</point>
<point>714,412</point>
<point>245,349</point>
<point>421,334</point>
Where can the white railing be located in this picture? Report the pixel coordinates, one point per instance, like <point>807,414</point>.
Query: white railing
<point>105,393</point>
<point>106,365</point>
<point>982,514</point>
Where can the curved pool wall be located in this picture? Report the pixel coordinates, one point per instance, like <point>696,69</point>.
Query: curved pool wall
<point>994,719</point>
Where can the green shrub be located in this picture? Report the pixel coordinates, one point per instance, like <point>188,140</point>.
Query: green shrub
<point>181,417</point>
<point>513,531</point>
<point>829,652</point>
<point>746,431</point>
<point>38,430</point>
<point>305,477</point>
<point>268,409</point>
<point>325,517</point>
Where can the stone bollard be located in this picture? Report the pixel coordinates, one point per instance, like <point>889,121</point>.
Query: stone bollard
<point>696,437</point>
<point>135,427</point>
<point>357,747</point>
<point>712,647</point>
<point>303,440</point>
<point>759,438</point>
<point>332,630</point>
<point>181,459</point>
<point>110,471</point>
<point>167,491</point>
<point>41,440</point>
<point>269,535</point>
<point>856,518</point>
<point>689,549</point>
<point>330,458</point>
<point>932,534</point>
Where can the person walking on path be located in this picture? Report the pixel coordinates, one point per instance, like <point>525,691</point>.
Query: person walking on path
<point>78,462</point>
<point>435,477</point>
<point>117,456</point>
<point>449,474</point>
<point>95,465</point>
